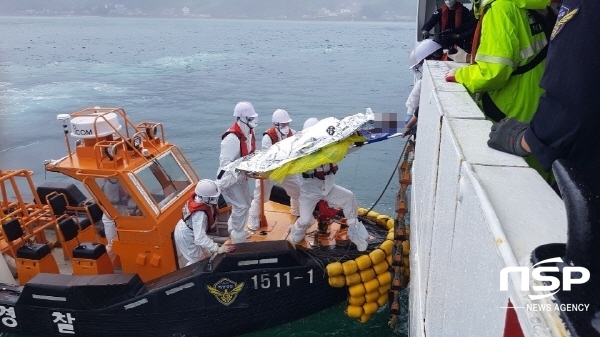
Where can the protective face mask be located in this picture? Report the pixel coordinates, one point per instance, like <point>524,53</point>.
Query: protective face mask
<point>418,72</point>
<point>284,130</point>
<point>252,122</point>
<point>449,3</point>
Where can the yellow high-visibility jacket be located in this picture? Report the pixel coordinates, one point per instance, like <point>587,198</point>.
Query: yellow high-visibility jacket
<point>510,37</point>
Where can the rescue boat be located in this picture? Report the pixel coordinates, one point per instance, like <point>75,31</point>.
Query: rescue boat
<point>67,283</point>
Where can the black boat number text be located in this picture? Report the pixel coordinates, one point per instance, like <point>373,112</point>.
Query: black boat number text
<point>278,280</point>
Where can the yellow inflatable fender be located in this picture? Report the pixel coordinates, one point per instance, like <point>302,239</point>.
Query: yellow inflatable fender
<point>364,318</point>
<point>381,267</point>
<point>353,279</point>
<point>387,246</point>
<point>390,224</point>
<point>370,308</point>
<point>334,269</point>
<point>372,215</point>
<point>350,267</point>
<point>405,247</point>
<point>382,300</point>
<point>354,311</point>
<point>377,256</point>
<point>383,289</point>
<point>337,281</point>
<point>372,285</point>
<point>356,300</point>
<point>384,278</point>
<point>372,296</point>
<point>357,290</point>
<point>363,262</point>
<point>361,211</point>
<point>382,220</point>
<point>367,275</point>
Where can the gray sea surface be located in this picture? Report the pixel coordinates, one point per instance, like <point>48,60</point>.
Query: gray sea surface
<point>189,74</point>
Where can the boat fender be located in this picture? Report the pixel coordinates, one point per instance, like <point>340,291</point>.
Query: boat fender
<point>360,300</point>
<point>390,235</point>
<point>354,311</point>
<point>381,267</point>
<point>363,262</point>
<point>405,247</point>
<point>357,290</point>
<point>387,247</point>
<point>337,281</point>
<point>388,259</point>
<point>367,275</point>
<point>383,289</point>
<point>390,224</point>
<point>382,220</point>
<point>350,267</point>
<point>372,296</point>
<point>372,215</point>
<point>385,278</point>
<point>370,308</point>
<point>372,285</point>
<point>382,300</point>
<point>377,256</point>
<point>353,279</point>
<point>334,269</point>
<point>364,318</point>
<point>362,211</point>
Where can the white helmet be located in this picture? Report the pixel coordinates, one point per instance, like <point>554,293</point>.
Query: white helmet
<point>281,116</point>
<point>310,122</point>
<point>422,51</point>
<point>207,188</point>
<point>244,109</point>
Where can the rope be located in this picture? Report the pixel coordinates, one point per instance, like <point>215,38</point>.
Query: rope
<point>393,173</point>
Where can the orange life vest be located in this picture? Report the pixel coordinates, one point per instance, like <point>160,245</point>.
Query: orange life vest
<point>272,133</point>
<point>235,129</point>
<point>457,16</point>
<point>191,207</point>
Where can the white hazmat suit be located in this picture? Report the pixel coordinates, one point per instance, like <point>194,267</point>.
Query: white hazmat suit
<point>234,185</point>
<point>313,189</point>
<point>291,184</point>
<point>191,238</point>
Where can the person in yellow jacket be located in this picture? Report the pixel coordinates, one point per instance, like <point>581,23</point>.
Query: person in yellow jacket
<point>509,51</point>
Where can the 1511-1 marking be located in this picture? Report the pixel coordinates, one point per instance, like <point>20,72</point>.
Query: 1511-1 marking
<point>279,280</point>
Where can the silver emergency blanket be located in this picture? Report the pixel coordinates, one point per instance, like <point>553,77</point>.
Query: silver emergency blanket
<point>305,142</point>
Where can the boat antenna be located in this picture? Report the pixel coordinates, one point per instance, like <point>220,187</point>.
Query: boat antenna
<point>64,118</point>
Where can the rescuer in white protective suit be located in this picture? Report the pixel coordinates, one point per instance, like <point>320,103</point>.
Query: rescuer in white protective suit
<point>319,184</point>
<point>279,131</point>
<point>238,141</point>
<point>119,198</point>
<point>198,220</point>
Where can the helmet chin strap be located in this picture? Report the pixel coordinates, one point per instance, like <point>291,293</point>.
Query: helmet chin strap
<point>246,124</point>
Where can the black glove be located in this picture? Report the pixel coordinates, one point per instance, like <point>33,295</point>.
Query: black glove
<point>506,136</point>
<point>425,34</point>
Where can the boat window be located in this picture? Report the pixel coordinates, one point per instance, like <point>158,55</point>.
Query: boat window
<point>118,196</point>
<point>164,178</point>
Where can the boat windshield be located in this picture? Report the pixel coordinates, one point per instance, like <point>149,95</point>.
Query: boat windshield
<point>164,178</point>
<point>118,196</point>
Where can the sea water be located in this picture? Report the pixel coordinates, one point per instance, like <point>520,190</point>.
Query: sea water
<point>188,74</point>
